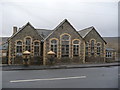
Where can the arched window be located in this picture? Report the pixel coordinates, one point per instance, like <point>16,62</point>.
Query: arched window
<point>28,44</point>
<point>87,47</point>
<point>19,48</point>
<point>54,46</point>
<point>92,47</point>
<point>98,48</point>
<point>76,47</point>
<point>36,48</point>
<point>65,39</point>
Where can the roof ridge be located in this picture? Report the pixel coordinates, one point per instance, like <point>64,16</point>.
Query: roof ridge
<point>57,27</point>
<point>20,29</point>
<point>45,29</point>
<point>86,28</point>
<point>62,22</point>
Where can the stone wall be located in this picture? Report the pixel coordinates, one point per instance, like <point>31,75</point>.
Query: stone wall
<point>66,28</point>
<point>93,35</point>
<point>27,31</point>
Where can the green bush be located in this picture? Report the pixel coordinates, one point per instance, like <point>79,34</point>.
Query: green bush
<point>3,60</point>
<point>36,60</point>
<point>76,60</point>
<point>65,60</point>
<point>109,61</point>
<point>18,60</point>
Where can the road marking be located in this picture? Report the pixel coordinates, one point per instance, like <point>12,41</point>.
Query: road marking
<point>48,79</point>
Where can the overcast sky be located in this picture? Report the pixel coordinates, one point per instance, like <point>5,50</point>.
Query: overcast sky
<point>47,14</point>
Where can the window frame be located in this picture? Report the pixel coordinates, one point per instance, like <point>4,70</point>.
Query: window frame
<point>77,46</point>
<point>98,48</point>
<point>18,49</point>
<point>56,53</point>
<point>86,48</point>
<point>92,48</point>
<point>29,46</point>
<point>37,46</point>
<point>69,41</point>
<point>108,54</point>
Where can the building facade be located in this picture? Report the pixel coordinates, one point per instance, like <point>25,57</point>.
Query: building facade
<point>3,50</point>
<point>69,45</point>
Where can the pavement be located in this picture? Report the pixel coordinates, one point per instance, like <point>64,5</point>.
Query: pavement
<point>67,66</point>
<point>96,77</point>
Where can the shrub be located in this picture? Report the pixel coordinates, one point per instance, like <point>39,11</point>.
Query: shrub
<point>36,60</point>
<point>18,60</point>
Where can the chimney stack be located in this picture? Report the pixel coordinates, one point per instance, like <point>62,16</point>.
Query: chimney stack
<point>14,30</point>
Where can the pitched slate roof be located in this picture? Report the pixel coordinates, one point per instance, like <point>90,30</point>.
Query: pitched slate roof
<point>44,32</point>
<point>84,32</point>
<point>110,49</point>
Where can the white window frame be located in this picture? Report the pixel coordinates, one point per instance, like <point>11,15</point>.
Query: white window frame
<point>56,51</point>
<point>99,49</point>
<point>87,49</point>
<point>38,47</point>
<point>20,46</point>
<point>29,46</point>
<point>108,54</point>
<point>65,54</point>
<point>77,47</point>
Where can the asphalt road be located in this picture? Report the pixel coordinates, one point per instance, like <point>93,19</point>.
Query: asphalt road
<point>103,77</point>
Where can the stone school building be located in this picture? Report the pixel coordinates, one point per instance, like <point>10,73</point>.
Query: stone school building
<point>69,45</point>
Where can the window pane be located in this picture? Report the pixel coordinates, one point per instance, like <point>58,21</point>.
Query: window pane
<point>28,48</point>
<point>65,37</point>
<point>98,48</point>
<point>92,43</point>
<point>28,41</point>
<point>54,42</point>
<point>28,44</point>
<point>87,46</point>
<point>19,43</point>
<point>76,42</point>
<point>36,48</point>
<point>65,45</point>
<point>76,47</point>
<point>98,44</point>
<point>92,47</point>
<point>54,46</point>
<point>36,43</point>
<point>19,48</point>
